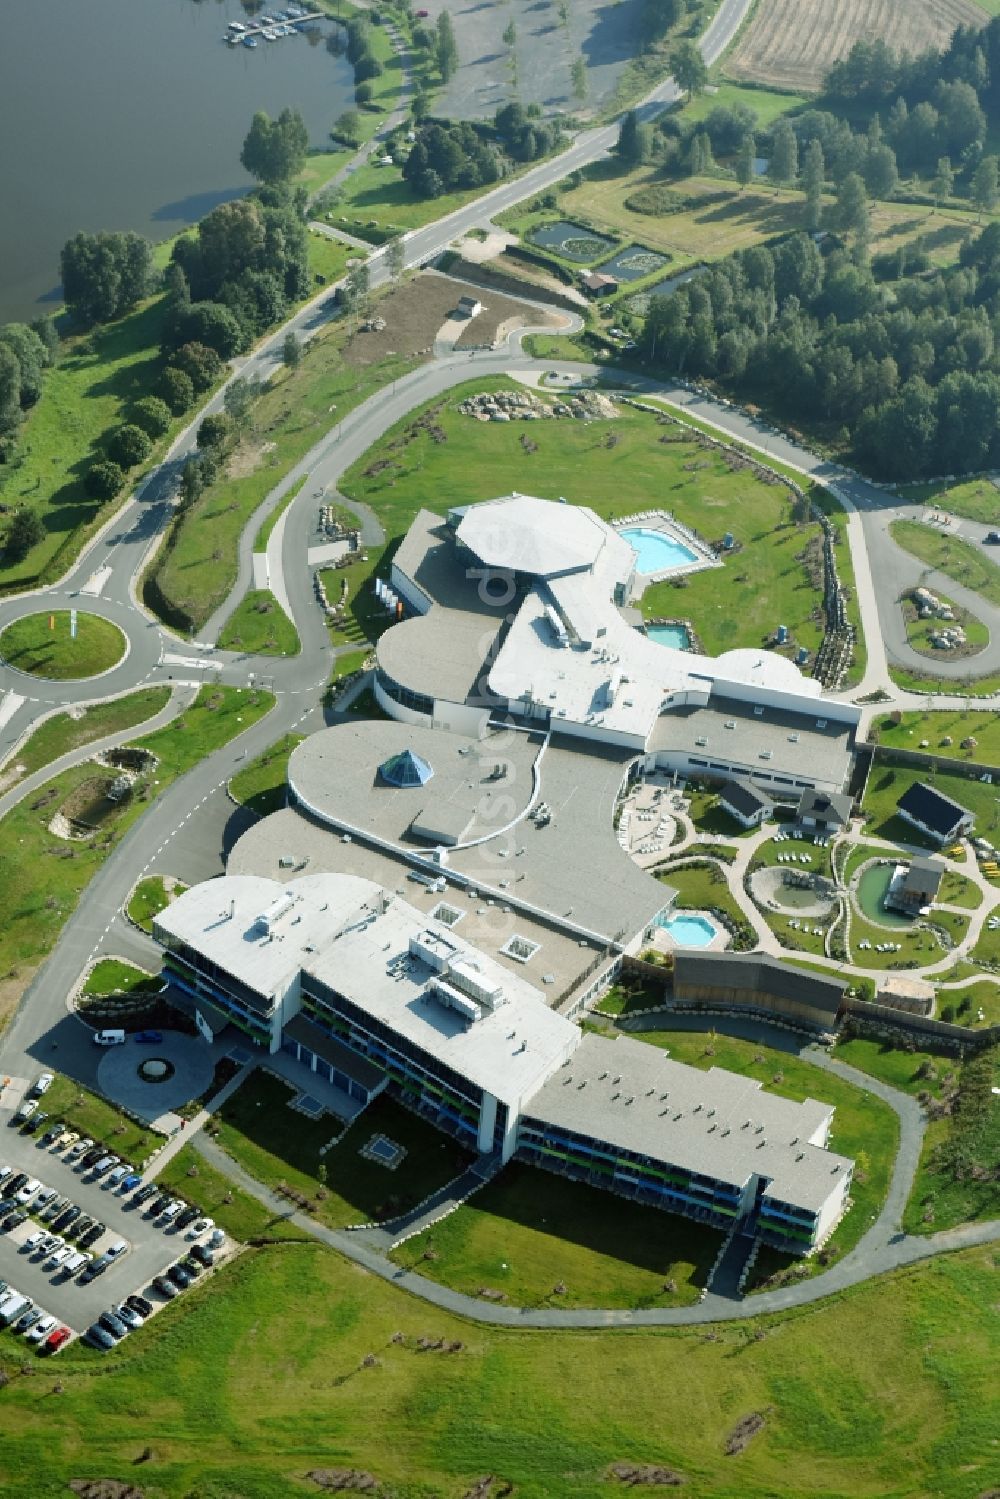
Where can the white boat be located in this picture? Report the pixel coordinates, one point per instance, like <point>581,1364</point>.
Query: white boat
<point>237,26</point>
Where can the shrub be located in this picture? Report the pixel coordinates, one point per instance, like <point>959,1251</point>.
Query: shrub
<point>177,389</point>
<point>152,415</point>
<point>363,93</point>
<point>104,480</point>
<point>129,445</point>
<point>24,532</point>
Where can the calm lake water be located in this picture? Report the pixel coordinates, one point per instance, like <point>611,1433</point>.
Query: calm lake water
<point>130,114</point>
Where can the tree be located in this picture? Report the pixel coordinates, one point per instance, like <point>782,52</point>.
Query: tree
<point>745,158</point>
<point>364,93</point>
<point>445,47</point>
<point>943,185</point>
<point>986,184</point>
<point>783,168</point>
<point>24,531</point>
<point>659,16</point>
<point>210,325</point>
<point>813,177</point>
<point>851,212</point>
<point>274,151</point>
<point>510,34</point>
<point>32,360</point>
<point>291,351</point>
<point>347,127</point>
<point>10,389</point>
<point>578,74</point>
<point>239,396</point>
<point>104,480</point>
<point>216,431</point>
<point>177,389</point>
<point>700,159</point>
<point>152,415</point>
<point>356,288</point>
<point>689,68</point>
<point>129,445</point>
<point>881,176</point>
<point>104,275</point>
<point>628,135</point>
<point>395,257</point>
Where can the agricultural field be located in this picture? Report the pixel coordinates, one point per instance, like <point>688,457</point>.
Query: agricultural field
<point>792,43</point>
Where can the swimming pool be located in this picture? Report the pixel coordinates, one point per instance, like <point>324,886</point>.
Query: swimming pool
<point>690,931</point>
<point>675,636</point>
<point>656,551</point>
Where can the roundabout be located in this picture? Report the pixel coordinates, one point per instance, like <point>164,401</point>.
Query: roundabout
<point>64,645</point>
<point>181,1069</point>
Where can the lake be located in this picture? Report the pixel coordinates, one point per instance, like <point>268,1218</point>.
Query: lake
<point>130,114</point>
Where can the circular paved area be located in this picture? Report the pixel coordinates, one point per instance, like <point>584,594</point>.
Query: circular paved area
<point>118,1074</point>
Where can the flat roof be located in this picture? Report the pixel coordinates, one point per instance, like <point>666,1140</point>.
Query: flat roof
<point>300,1028</point>
<point>522,534</point>
<point>797,747</point>
<point>508,1052</point>
<point>716,1123</point>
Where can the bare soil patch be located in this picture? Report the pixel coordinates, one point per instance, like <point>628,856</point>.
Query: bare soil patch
<point>791,43</point>
<point>645,1475</point>
<point>247,458</point>
<point>344,1480</point>
<point>105,1488</point>
<point>413,314</point>
<point>744,1432</point>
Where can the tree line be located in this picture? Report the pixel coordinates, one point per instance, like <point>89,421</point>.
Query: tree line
<point>448,156</point>
<point>909,381</point>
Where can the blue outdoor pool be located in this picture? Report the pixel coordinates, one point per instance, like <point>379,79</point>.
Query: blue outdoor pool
<point>675,636</point>
<point>690,931</point>
<point>656,551</point>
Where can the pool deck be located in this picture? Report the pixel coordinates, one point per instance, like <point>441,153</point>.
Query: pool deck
<point>663,522</point>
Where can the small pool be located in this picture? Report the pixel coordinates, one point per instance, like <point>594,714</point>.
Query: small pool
<point>656,551</point>
<point>690,931</point>
<point>675,636</point>
<point>870,896</point>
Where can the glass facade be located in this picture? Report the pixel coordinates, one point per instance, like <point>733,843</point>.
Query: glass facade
<point>196,975</point>
<point>405,696</point>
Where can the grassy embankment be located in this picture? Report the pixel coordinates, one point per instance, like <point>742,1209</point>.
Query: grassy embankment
<point>151,896</point>
<point>114,976</point>
<point>935,725</point>
<point>866,1393</point>
<point>975,499</point>
<point>58,735</point>
<point>956,1180</point>
<point>616,467</point>
<point>45,874</point>
<point>887,784</point>
<point>261,785</point>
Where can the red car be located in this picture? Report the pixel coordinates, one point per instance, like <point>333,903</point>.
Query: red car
<point>55,1340</point>
<point>422,15</point>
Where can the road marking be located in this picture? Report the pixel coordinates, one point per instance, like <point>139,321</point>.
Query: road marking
<point>10,704</point>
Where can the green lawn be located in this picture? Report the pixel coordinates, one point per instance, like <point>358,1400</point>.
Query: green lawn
<point>44,875</point>
<point>886,785</point>
<point>41,644</point>
<point>259,626</point>
<point>364,618</point>
<point>867,1394</point>
<point>914,1072</point>
<point>976,499</point>
<point>93,1116</point>
<point>956,1181</point>
<point>709,817</point>
<point>114,976</point>
<point>863,1128</point>
<point>151,896</point>
<point>191,1177</point>
<point>616,467</point>
<point>701,888</point>
<point>529,1232</point>
<point>950,555</point>
<point>943,732</point>
<point>959,890</point>
<point>64,732</point>
<point>188,580</point>
<point>968,1001</point>
<point>327,258</point>
<point>261,786</point>
<point>277,1144</point>
<point>818,860</point>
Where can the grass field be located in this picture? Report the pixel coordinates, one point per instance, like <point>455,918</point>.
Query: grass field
<point>63,732</point>
<point>886,785</point>
<point>151,896</point>
<point>114,976</point>
<point>191,1177</point>
<point>260,626</point>
<point>267,526</point>
<point>365,618</point>
<point>792,43</point>
<point>615,467</point>
<point>976,499</point>
<point>92,1116</point>
<point>529,1232</point>
<point>866,1394</point>
<point>950,555</point>
<point>42,646</point>
<point>261,785</point>
<point>967,1002</point>
<point>44,875</point>
<point>276,1144</point>
<point>935,725</point>
<point>912,1072</point>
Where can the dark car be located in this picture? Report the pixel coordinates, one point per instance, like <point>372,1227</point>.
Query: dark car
<point>114,1324</point>
<point>202,1254</point>
<point>140,1304</point>
<point>99,1337</point>
<point>156,1208</point>
<point>90,1157</point>
<point>53,1209</point>
<point>14,1183</point>
<point>13,1220</point>
<point>52,1134</point>
<point>79,1228</point>
<point>993,537</point>
<point>179,1276</point>
<point>165,1287</point>
<point>187,1217</point>
<point>35,1122</point>
<point>149,1038</point>
<point>91,1235</point>
<point>144,1194</point>
<point>191,1266</point>
<point>66,1217</point>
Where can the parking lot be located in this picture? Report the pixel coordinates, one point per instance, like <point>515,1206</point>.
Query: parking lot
<point>151,1248</point>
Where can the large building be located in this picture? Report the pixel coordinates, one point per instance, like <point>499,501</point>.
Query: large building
<point>365,989</point>
<point>522,606</point>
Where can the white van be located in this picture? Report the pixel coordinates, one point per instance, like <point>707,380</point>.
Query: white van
<point>109,1038</point>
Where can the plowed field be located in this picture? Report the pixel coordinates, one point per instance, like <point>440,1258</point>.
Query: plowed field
<point>791,43</point>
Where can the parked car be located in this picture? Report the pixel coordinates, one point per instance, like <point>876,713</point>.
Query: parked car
<point>172,1211</point>
<point>46,1195</point>
<point>66,1217</point>
<point>12,1306</point>
<point>41,1329</point>
<point>35,1241</point>
<point>76,1262</point>
<point>57,1260</point>
<point>68,1138</point>
<point>158,1206</point>
<point>145,1193</point>
<point>103,1165</point>
<point>109,1038</point>
<point>131,1181</point>
<point>57,1339</point>
<point>14,1220</point>
<point>148,1038</point>
<point>35,1122</point>
<point>179,1276</point>
<point>52,1134</point>
<point>203,1255</point>
<point>53,1209</point>
<point>28,1318</point>
<point>99,1337</point>
<point>26,1110</point>
<point>116,1177</point>
<point>79,1148</point>
<point>191,1266</point>
<point>27,1192</point>
<point>14,1183</point>
<point>52,1243</point>
<point>185,1219</point>
<point>200,1226</point>
<point>165,1287</point>
<point>993,537</point>
<point>115,1325</point>
<point>91,1235</point>
<point>41,1085</point>
<point>5,1171</point>
<point>91,1156</point>
<point>128,1315</point>
<point>79,1228</point>
<point>217,1240</point>
<point>140,1304</point>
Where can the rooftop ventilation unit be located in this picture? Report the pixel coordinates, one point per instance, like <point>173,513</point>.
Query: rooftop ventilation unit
<point>279,907</point>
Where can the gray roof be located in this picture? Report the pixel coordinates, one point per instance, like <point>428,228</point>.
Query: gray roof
<point>798,747</point>
<point>924,875</point>
<point>758,974</point>
<point>303,1030</point>
<point>826,806</point>
<point>716,1123</point>
<point>744,799</point>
